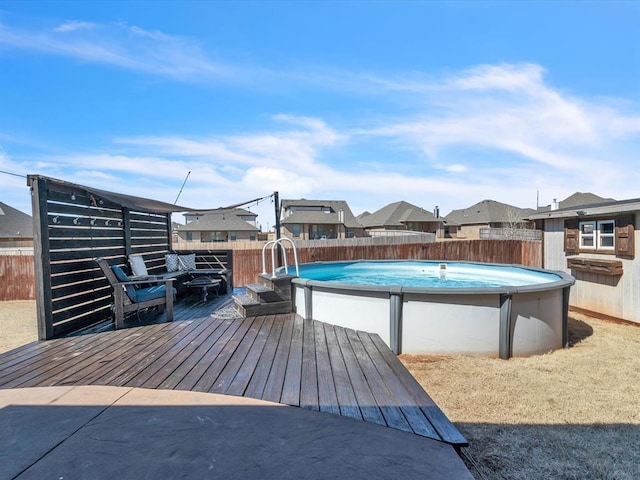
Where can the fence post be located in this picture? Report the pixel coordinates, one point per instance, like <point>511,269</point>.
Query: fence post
<point>42,257</point>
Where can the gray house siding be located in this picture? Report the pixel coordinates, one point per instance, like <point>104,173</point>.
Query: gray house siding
<point>616,296</point>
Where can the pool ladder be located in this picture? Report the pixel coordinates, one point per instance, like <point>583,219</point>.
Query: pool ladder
<point>274,244</point>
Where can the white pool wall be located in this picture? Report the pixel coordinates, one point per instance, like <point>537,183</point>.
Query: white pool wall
<point>439,321</point>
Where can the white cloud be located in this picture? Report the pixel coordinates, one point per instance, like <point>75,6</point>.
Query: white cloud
<point>504,77</point>
<point>296,148</point>
<point>123,46</point>
<point>510,110</point>
<point>493,131</point>
<point>455,168</point>
<point>72,26</point>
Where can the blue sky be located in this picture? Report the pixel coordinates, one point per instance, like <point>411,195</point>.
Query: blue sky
<point>435,103</point>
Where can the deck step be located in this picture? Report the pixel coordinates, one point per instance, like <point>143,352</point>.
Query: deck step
<point>281,284</point>
<point>248,307</point>
<point>262,293</point>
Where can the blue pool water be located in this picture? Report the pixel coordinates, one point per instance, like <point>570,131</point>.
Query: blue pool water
<point>425,274</point>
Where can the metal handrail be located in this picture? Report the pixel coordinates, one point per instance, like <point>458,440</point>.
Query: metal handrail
<point>274,244</point>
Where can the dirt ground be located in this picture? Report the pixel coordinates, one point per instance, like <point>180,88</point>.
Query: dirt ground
<point>18,324</point>
<point>569,414</point>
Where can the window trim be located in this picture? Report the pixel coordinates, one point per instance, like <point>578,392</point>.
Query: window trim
<point>591,235</point>
<point>611,235</point>
<point>597,236</point>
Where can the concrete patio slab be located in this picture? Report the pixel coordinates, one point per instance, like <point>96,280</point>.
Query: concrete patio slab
<point>129,433</point>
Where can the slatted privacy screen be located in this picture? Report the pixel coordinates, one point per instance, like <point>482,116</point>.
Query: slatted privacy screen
<point>72,227</point>
<point>150,235</point>
<point>210,259</point>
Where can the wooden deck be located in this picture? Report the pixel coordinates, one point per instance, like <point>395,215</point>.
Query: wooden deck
<point>280,358</point>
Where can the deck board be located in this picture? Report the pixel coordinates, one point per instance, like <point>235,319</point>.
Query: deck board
<point>237,358</point>
<point>242,378</point>
<point>274,389</point>
<point>364,397</point>
<point>345,396</point>
<point>280,358</point>
<point>327,397</point>
<point>386,401</point>
<point>293,372</point>
<point>260,377</point>
<point>309,374</point>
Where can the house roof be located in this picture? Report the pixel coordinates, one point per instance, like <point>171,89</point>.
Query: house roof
<point>576,200</point>
<point>489,211</point>
<point>220,221</point>
<point>608,207</point>
<point>14,223</point>
<point>331,217</point>
<point>397,214</point>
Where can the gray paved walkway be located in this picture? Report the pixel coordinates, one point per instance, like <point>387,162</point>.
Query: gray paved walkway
<point>104,432</point>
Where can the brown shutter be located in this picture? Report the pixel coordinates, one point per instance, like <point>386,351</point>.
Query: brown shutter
<point>625,228</point>
<point>571,237</point>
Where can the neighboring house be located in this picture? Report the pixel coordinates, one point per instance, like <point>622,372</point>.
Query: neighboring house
<point>574,200</point>
<point>317,219</point>
<point>16,227</point>
<point>487,214</point>
<point>597,244</point>
<point>222,225</point>
<point>401,216</point>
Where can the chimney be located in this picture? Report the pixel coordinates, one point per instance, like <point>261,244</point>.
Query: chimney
<point>554,204</point>
<point>436,212</point>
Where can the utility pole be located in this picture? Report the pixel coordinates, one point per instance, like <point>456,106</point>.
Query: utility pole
<point>276,201</point>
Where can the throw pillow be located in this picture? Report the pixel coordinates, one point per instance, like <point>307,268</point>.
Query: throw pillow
<point>171,259</point>
<point>187,262</point>
<point>138,267</point>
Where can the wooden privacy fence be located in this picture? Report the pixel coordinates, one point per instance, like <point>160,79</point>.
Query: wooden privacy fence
<point>248,263</point>
<point>18,281</point>
<point>401,237</point>
<point>17,277</point>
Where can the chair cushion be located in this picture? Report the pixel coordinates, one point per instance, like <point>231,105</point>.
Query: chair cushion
<point>138,267</point>
<point>151,293</point>
<point>187,262</point>
<point>122,277</point>
<point>171,260</point>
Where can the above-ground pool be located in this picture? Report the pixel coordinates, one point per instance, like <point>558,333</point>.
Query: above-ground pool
<point>427,307</point>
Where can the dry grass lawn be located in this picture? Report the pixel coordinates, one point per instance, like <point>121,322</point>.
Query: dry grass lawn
<point>17,324</point>
<point>570,414</point>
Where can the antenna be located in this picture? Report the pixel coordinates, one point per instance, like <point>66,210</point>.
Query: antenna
<point>180,192</point>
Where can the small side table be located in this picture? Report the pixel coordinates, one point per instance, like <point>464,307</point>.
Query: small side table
<point>206,284</point>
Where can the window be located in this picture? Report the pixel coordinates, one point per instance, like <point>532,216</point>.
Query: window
<point>597,235</point>
<point>233,236</point>
<point>189,236</point>
<point>296,230</point>
<point>587,234</point>
<point>218,236</point>
<point>252,235</point>
<point>606,234</point>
